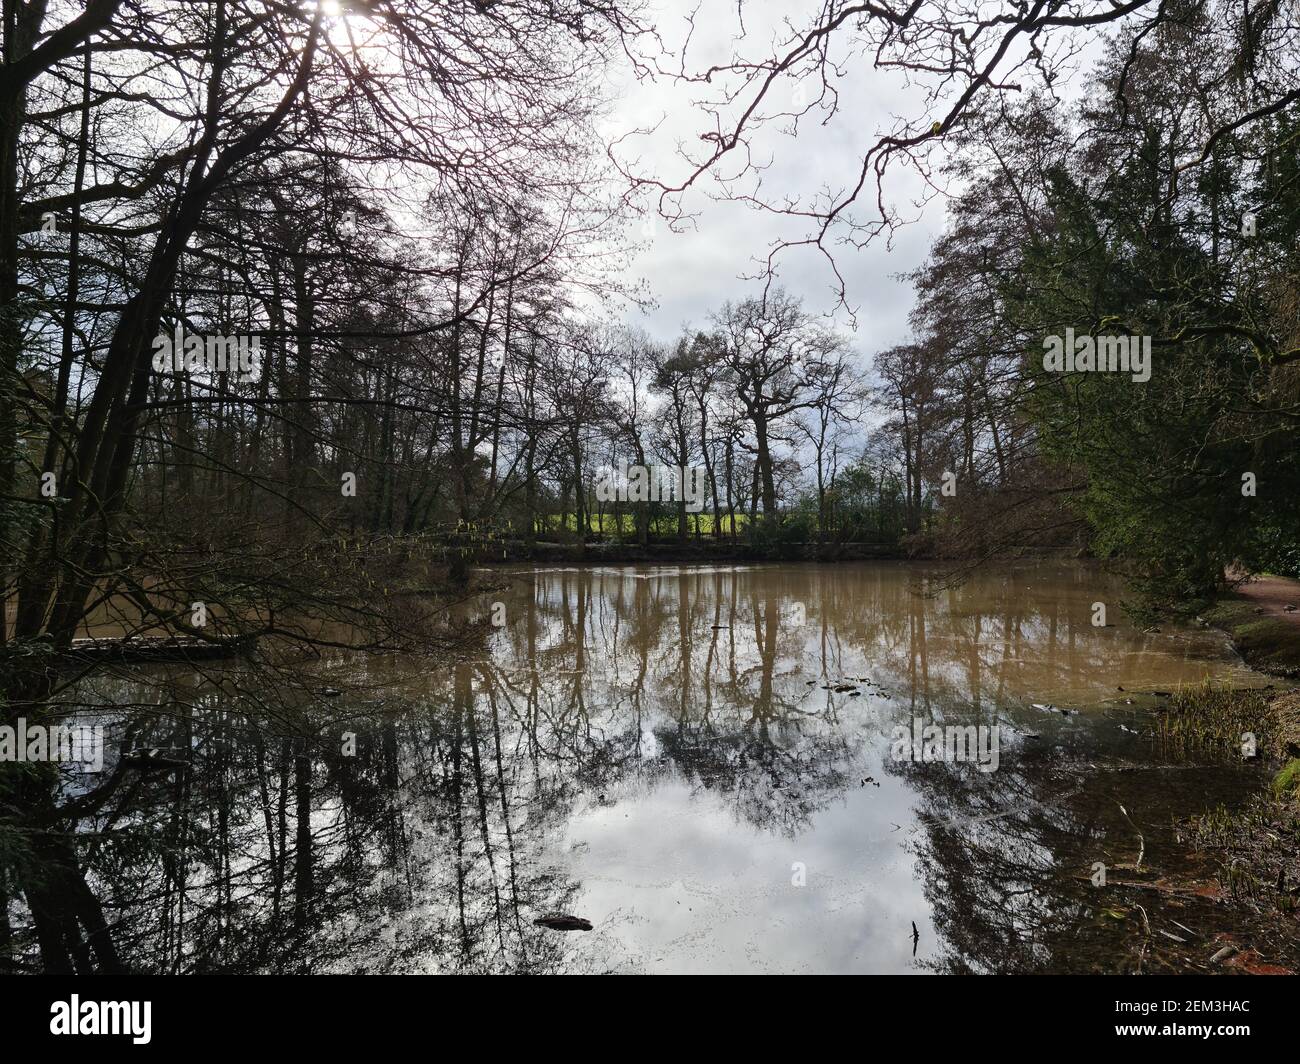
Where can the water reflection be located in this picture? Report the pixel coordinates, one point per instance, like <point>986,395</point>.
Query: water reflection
<point>697,761</point>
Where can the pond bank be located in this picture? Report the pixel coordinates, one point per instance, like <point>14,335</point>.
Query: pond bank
<point>1264,630</point>
<point>1256,849</point>
<point>1252,853</point>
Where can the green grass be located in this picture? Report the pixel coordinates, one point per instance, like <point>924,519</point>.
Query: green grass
<point>1287,782</point>
<point>1266,643</point>
<point>665,525</point>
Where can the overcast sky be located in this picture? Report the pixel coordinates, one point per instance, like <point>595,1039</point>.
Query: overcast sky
<point>692,273</point>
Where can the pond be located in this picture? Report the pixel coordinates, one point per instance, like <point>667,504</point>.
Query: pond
<point>722,769</point>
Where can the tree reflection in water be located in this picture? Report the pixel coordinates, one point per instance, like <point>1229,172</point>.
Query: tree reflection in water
<point>437,843</point>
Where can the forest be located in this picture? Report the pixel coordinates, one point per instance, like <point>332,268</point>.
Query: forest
<point>455,337</point>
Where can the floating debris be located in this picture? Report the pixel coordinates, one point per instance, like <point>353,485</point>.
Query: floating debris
<point>163,648</point>
<point>563,922</point>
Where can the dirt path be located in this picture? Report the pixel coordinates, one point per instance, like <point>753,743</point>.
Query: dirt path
<point>1273,594</point>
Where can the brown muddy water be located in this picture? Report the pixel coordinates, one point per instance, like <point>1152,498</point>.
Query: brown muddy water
<point>705,763</point>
